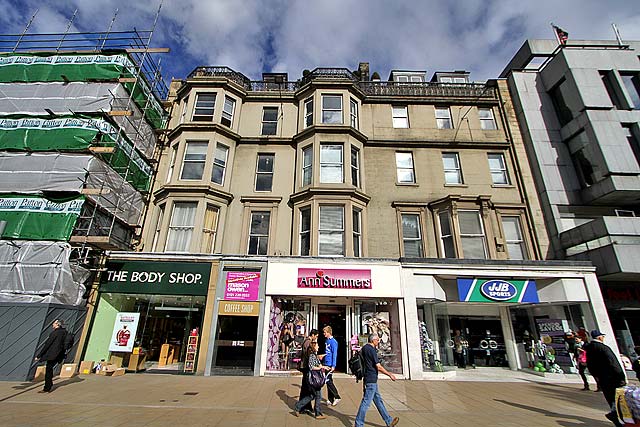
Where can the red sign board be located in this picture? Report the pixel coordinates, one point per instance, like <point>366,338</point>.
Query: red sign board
<point>324,278</point>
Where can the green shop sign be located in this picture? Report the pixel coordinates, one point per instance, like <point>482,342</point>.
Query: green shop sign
<point>160,278</point>
<point>497,290</point>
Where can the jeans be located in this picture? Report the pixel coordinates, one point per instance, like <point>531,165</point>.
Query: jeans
<point>581,369</point>
<point>313,394</point>
<point>371,393</point>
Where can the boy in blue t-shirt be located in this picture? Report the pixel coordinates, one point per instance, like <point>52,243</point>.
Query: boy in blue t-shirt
<point>330,359</point>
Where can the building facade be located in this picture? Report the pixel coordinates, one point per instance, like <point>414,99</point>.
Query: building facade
<point>578,106</point>
<point>371,206</point>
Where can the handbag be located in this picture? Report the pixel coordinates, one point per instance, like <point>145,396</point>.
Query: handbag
<point>316,379</point>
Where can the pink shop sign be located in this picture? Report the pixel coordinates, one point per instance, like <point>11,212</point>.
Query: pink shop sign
<point>323,278</point>
<point>242,286</point>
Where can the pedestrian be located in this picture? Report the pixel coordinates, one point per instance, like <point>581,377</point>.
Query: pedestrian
<point>581,360</point>
<point>635,365</point>
<point>370,383</point>
<point>458,350</point>
<point>605,367</point>
<point>52,352</point>
<point>304,368</point>
<point>329,360</point>
<point>313,364</point>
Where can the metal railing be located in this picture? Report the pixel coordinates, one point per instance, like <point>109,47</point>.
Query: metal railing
<point>373,88</point>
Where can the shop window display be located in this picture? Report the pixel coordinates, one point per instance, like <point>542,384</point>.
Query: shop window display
<point>287,330</point>
<point>381,317</point>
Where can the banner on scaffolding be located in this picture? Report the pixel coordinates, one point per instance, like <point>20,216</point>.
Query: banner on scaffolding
<point>37,218</point>
<point>81,68</point>
<point>73,133</point>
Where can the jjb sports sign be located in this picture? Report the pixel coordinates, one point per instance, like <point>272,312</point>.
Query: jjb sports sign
<point>497,290</point>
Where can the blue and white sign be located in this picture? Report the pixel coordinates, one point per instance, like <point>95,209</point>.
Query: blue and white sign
<point>497,290</point>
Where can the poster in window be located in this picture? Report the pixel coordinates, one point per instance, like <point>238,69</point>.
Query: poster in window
<point>124,332</point>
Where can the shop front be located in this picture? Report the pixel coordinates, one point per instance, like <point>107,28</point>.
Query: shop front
<point>475,316</point>
<point>150,316</point>
<point>354,299</point>
<point>623,304</point>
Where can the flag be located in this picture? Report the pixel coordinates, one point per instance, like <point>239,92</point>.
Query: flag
<point>562,35</point>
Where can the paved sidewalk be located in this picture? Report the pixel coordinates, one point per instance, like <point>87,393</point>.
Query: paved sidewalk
<point>165,400</point>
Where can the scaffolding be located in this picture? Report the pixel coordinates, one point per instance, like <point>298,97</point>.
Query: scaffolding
<point>80,119</point>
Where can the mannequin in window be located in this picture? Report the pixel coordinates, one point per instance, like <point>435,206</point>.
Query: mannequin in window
<point>286,338</point>
<point>458,349</point>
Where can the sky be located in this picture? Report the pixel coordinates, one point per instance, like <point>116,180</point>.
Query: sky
<point>256,36</point>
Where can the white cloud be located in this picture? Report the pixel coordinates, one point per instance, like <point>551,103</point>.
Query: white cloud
<point>253,35</point>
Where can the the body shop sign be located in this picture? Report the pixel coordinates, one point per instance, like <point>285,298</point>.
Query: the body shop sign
<point>497,290</point>
<point>324,278</point>
<point>242,286</point>
<point>148,277</point>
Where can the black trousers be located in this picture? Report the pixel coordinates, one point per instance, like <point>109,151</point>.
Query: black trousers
<point>609,391</point>
<point>305,390</point>
<point>48,374</point>
<point>332,391</point>
<point>581,369</point>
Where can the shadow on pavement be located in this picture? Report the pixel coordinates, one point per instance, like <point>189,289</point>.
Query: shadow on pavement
<point>346,420</point>
<point>572,420</point>
<point>26,387</point>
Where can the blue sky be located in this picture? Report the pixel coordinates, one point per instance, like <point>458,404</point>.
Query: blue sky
<point>253,36</point>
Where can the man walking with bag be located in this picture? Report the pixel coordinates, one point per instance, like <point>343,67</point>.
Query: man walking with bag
<point>604,366</point>
<point>370,383</point>
<point>53,352</point>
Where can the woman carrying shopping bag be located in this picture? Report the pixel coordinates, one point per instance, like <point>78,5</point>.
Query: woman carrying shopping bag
<point>316,381</point>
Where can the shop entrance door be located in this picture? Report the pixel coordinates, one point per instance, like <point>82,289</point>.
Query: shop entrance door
<point>235,345</point>
<point>336,317</point>
<point>484,335</point>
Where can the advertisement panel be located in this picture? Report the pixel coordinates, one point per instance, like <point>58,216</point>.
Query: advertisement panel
<point>242,286</point>
<point>552,335</point>
<point>124,332</point>
<point>497,290</point>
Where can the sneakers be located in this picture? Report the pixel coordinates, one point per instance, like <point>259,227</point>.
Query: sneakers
<point>585,388</point>
<point>394,421</point>
<point>321,417</point>
<point>335,402</point>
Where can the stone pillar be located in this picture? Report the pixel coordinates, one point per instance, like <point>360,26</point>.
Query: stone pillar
<point>509,339</point>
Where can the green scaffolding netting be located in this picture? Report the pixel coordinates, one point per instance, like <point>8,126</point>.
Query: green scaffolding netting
<point>39,218</point>
<point>77,134</point>
<point>31,68</point>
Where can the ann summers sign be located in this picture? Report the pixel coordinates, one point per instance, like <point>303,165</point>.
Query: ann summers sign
<point>497,290</point>
<point>148,277</point>
<point>333,278</point>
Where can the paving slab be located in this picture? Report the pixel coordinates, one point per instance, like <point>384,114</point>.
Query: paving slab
<point>176,400</point>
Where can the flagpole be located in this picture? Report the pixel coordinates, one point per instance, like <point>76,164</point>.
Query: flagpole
<point>617,33</point>
<point>555,33</point>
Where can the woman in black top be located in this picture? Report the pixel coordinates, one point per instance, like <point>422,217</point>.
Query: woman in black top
<point>314,364</point>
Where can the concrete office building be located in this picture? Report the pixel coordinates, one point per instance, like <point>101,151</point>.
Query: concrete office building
<point>390,206</point>
<point>578,106</point>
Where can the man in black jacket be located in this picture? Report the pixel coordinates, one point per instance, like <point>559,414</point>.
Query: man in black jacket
<point>53,351</point>
<point>605,367</point>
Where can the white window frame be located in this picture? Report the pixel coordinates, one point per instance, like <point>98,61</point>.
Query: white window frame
<point>188,162</point>
<point>400,116</point>
<point>308,112</point>
<point>322,232</point>
<point>406,239</point>
<point>273,123</point>
<point>186,228</point>
<point>258,236</point>
<point>353,113</point>
<point>219,163</point>
<point>464,236</point>
<point>443,118</point>
<point>307,165</point>
<point>268,173</point>
<point>444,237</point>
<point>158,230</point>
<point>172,162</point>
<point>355,166</point>
<point>227,116</point>
<point>400,169</point>
<point>454,172</point>
<point>356,219</point>
<point>183,114</point>
<point>204,105</point>
<point>487,120</point>
<point>326,165</point>
<point>209,233</point>
<point>332,111</point>
<point>515,240</point>
<point>304,232</point>
<point>501,173</point>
